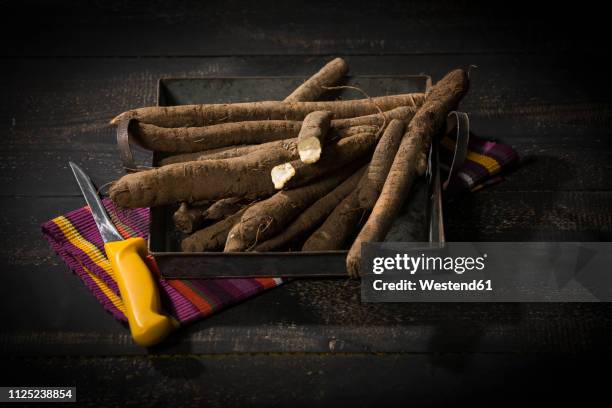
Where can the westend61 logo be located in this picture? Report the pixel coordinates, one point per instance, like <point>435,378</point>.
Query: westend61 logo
<point>413,264</point>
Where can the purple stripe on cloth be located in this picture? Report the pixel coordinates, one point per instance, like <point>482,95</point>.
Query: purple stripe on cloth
<point>219,291</point>
<point>177,304</point>
<point>137,219</point>
<point>222,292</point>
<point>242,286</point>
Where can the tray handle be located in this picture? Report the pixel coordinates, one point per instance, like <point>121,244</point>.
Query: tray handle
<point>458,122</point>
<point>125,139</point>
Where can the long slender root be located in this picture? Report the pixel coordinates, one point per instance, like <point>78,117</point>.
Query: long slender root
<point>348,150</point>
<point>408,162</point>
<point>313,216</point>
<point>211,238</point>
<point>314,87</point>
<point>268,217</point>
<point>227,137</point>
<point>224,208</point>
<point>247,176</point>
<point>203,115</point>
<point>380,164</point>
<point>197,139</point>
<point>345,219</point>
<point>243,150</point>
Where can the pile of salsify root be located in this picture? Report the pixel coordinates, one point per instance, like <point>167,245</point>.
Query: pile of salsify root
<point>297,174</point>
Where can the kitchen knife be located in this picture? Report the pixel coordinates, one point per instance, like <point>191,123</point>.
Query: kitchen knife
<point>137,287</point>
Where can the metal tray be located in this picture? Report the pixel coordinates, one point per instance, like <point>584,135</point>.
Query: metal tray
<point>421,220</point>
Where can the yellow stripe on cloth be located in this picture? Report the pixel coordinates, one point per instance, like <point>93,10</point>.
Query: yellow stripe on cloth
<point>97,256</point>
<point>76,239</point>
<point>487,162</point>
<point>108,292</point>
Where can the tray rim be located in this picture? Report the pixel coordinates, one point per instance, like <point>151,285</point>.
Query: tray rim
<point>434,185</point>
<point>161,80</point>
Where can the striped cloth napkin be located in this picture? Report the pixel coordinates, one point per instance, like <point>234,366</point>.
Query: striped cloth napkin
<point>484,163</point>
<point>75,238</point>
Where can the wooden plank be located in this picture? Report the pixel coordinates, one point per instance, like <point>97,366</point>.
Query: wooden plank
<point>416,328</point>
<point>530,216</point>
<point>307,380</point>
<point>317,315</point>
<point>230,28</point>
<point>58,111</point>
<point>87,92</point>
<point>559,167</point>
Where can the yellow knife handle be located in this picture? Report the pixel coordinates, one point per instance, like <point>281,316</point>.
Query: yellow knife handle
<point>138,291</point>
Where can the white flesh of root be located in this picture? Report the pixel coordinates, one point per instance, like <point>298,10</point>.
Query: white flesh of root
<point>309,150</point>
<point>282,174</point>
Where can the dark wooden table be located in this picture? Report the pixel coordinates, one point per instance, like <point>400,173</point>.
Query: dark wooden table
<point>542,85</point>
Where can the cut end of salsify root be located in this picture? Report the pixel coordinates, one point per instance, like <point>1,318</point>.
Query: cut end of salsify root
<point>281,174</point>
<point>309,150</point>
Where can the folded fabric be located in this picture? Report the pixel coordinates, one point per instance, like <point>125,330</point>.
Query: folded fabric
<point>484,163</point>
<point>75,238</point>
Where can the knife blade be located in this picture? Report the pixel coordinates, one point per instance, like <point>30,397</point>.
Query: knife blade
<point>138,289</point>
<point>106,227</point>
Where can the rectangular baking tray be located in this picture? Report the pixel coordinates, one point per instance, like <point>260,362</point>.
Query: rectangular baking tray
<point>420,221</point>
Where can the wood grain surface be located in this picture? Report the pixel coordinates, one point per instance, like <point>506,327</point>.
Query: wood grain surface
<point>68,67</point>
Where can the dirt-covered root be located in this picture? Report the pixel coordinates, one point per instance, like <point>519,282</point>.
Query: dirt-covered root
<point>266,218</point>
<point>234,241</point>
<point>312,135</point>
<point>339,154</point>
<point>211,238</point>
<point>223,208</point>
<point>314,86</point>
<point>430,118</point>
<point>193,140</point>
<point>197,139</point>
<point>342,133</point>
<point>377,171</point>
<point>188,218</point>
<point>224,152</point>
<point>405,113</point>
<point>343,222</point>
<point>246,176</point>
<point>210,114</point>
<point>313,216</point>
<point>401,176</point>
<point>237,151</point>
<point>339,227</point>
